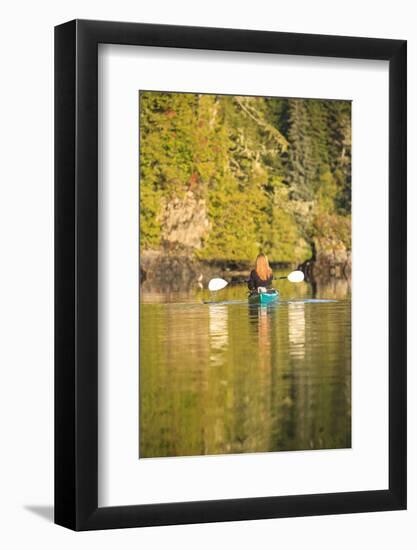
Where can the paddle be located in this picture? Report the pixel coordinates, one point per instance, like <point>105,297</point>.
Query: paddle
<point>294,277</point>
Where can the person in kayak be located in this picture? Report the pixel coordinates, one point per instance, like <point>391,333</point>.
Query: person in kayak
<point>262,275</point>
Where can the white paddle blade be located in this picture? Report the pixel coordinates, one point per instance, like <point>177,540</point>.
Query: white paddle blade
<point>296,277</point>
<point>217,284</point>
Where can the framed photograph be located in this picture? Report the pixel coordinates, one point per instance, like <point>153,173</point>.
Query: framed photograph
<point>230,284</point>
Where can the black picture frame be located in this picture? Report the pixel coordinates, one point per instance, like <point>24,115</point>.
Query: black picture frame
<point>76,272</point>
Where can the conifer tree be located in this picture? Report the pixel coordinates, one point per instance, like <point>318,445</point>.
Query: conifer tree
<point>268,169</point>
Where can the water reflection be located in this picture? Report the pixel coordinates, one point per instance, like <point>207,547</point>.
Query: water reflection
<point>296,329</point>
<point>218,330</point>
<point>233,378</point>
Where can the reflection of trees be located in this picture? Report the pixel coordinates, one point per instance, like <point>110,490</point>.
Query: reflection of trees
<point>261,321</point>
<point>313,397</point>
<point>296,329</point>
<point>218,331</point>
<point>173,379</point>
<point>229,379</point>
<point>331,288</point>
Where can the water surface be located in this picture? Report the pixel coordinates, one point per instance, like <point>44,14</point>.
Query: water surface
<point>232,378</point>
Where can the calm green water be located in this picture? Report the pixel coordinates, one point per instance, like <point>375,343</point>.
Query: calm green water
<point>234,378</point>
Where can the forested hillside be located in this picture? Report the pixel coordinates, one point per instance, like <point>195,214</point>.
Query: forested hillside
<point>224,177</point>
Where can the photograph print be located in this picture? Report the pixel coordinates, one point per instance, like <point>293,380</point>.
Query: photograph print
<point>245,274</point>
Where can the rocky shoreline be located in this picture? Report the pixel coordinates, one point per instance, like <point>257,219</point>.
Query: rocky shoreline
<point>170,272</point>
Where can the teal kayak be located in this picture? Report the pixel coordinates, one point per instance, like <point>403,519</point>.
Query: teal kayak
<point>264,298</point>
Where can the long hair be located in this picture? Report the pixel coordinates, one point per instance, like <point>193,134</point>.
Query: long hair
<point>262,267</point>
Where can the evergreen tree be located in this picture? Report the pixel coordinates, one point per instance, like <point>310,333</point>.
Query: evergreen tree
<point>268,169</point>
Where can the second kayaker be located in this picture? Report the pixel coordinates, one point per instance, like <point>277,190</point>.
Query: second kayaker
<point>262,275</point>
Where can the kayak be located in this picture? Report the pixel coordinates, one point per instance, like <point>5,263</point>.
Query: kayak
<point>263,298</point>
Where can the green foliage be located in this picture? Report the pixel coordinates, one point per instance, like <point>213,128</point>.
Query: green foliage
<point>330,228</point>
<point>150,228</point>
<point>227,203</point>
<point>267,169</point>
<point>327,192</point>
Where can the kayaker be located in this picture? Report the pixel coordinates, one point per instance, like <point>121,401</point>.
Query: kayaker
<point>262,275</point>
